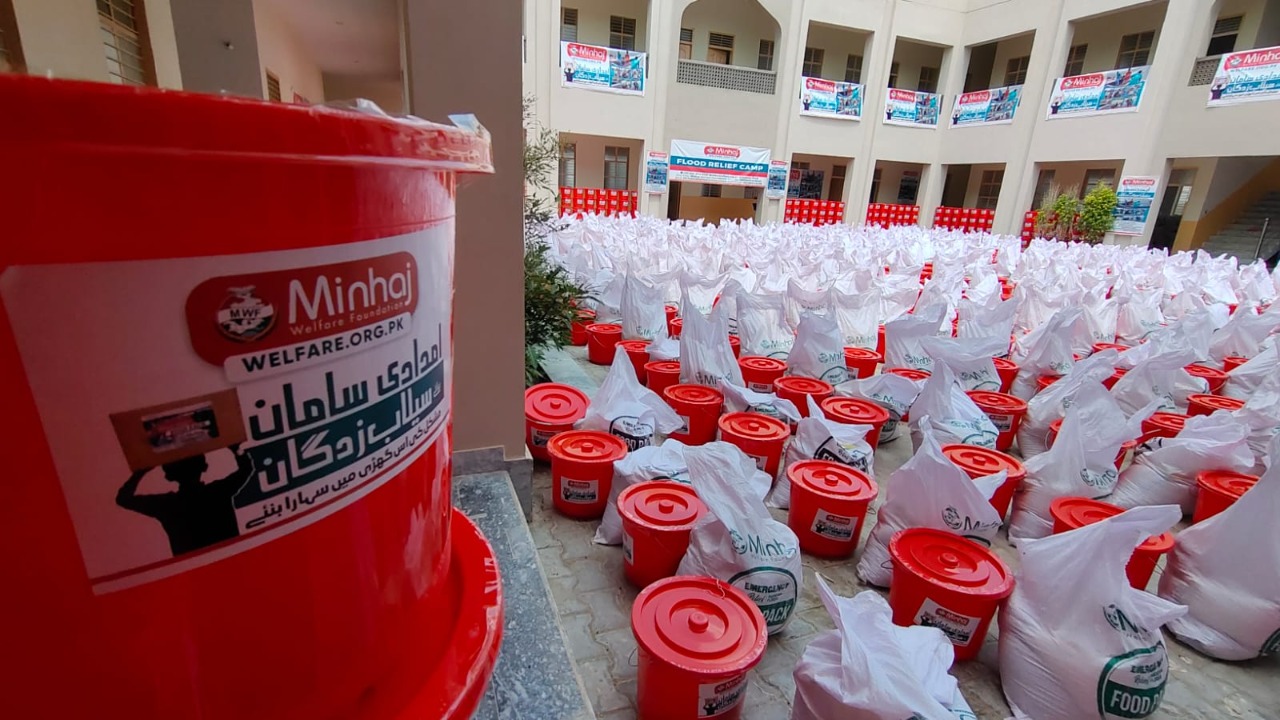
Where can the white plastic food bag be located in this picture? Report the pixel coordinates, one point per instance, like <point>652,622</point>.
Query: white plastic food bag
<point>980,321</point>
<point>738,541</point>
<point>1048,350</point>
<point>741,399</point>
<point>624,407</point>
<point>1226,570</point>
<point>818,352</point>
<point>902,348</point>
<point>971,359</point>
<point>929,491</point>
<point>1243,334</point>
<point>1245,380</point>
<point>858,316</point>
<point>1076,640</point>
<point>801,301</point>
<point>1160,378</point>
<point>706,357</point>
<point>870,669</point>
<point>762,326</point>
<point>891,392</point>
<point>954,416</point>
<point>1051,403</point>
<point>1139,315</point>
<point>644,314</point>
<point>656,462</point>
<point>1262,414</point>
<point>818,438</point>
<point>699,293</point>
<point>1166,473</point>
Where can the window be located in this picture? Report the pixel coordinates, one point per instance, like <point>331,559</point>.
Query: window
<point>1015,73</point>
<point>10,43</point>
<point>1075,61</point>
<point>622,32</point>
<point>893,75</point>
<point>124,35</point>
<point>989,189</point>
<point>616,160</point>
<point>1093,178</point>
<point>813,62</point>
<point>853,69</point>
<point>273,87</point>
<point>686,43</point>
<point>1044,183</point>
<point>875,185</point>
<point>928,80</point>
<point>568,165</point>
<point>799,164</point>
<point>766,55</point>
<point>835,191</point>
<point>1135,49</point>
<point>720,49</point>
<point>710,190</point>
<point>568,25</point>
<point>1225,32</point>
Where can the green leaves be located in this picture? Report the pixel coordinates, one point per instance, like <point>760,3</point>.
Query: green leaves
<point>1097,213</point>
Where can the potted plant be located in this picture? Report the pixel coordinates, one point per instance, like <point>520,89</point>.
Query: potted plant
<point>1055,218</point>
<point>1097,213</point>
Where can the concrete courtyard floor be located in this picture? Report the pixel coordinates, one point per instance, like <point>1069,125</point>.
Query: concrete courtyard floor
<point>594,604</point>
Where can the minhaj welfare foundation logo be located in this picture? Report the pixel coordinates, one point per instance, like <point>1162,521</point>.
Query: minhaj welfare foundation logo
<point>244,317</point>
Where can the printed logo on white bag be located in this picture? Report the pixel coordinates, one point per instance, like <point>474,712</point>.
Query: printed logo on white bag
<point>774,590</point>
<point>633,431</point>
<point>1272,644</point>
<point>1104,481</point>
<point>971,432</point>
<point>831,525</point>
<point>967,527</point>
<point>1132,684</point>
<point>582,492</point>
<point>959,628</point>
<point>979,380</point>
<point>720,697</point>
<point>833,450</point>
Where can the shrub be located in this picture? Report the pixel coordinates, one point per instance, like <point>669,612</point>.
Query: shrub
<point>1097,213</point>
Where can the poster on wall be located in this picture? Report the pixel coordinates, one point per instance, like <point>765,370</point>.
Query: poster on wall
<point>655,172</point>
<point>777,187</point>
<point>911,108</point>
<point>1113,91</point>
<point>828,98</point>
<point>600,68</point>
<point>1247,76</point>
<point>1134,198</point>
<point>693,161</point>
<point>986,107</point>
<point>805,184</point>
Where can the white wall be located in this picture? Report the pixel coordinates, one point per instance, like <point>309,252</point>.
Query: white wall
<point>827,164</point>
<point>387,93</point>
<point>62,38</point>
<point>891,174</point>
<point>1103,34</point>
<point>837,45</point>
<point>1006,50</point>
<point>589,159</point>
<point>280,52</point>
<point>911,56</point>
<point>746,20</point>
<point>593,19</point>
<point>975,182</point>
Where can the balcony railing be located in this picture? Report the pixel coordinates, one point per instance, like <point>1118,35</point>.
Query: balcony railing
<point>1203,72</point>
<point>727,77</point>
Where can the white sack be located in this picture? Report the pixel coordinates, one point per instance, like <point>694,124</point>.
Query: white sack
<point>1051,404</point>
<point>624,407</point>
<point>978,321</point>
<point>741,399</point>
<point>819,438</point>
<point>762,326</point>
<point>970,359</point>
<point>1139,316</point>
<point>1166,473</point>
<point>902,348</point>
<point>706,357</point>
<point>1048,350</point>
<point>953,416</point>
<point>800,301</point>
<point>819,351</point>
<point>891,392</point>
<point>1160,378</point>
<point>644,314</point>
<point>858,316</point>
<point>1247,379</point>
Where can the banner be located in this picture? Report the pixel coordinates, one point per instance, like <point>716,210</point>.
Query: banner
<point>693,161</point>
<point>911,108</point>
<point>805,184</point>
<point>986,107</point>
<point>1100,93</point>
<point>1246,76</point>
<point>655,172</point>
<point>828,98</point>
<point>1133,204</point>
<point>600,68</point>
<point>777,187</point>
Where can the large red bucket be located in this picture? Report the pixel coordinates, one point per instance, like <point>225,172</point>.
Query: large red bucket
<point>1203,404</point>
<point>1231,362</point>
<point>638,352</point>
<point>602,342</point>
<point>1114,377</point>
<point>661,374</point>
<point>759,373</point>
<point>550,409</point>
<point>699,407</point>
<point>1070,513</point>
<point>657,518</point>
<point>1008,372</point>
<point>1099,347</point>
<point>829,501</point>
<point>945,581</point>
<point>799,389</point>
<point>1163,424</point>
<point>578,330</point>
<point>759,436</point>
<point>1215,377</point>
<point>698,637</point>
<point>980,462</point>
<point>1005,411</point>
<point>856,411</point>
<point>226,361</point>
<point>1219,490</point>
<point>582,471</point>
<point>862,362</point>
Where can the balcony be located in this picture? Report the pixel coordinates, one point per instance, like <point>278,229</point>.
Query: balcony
<point>1205,69</point>
<point>726,77</point>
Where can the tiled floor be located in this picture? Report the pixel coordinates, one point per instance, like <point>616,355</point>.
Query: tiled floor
<point>594,603</point>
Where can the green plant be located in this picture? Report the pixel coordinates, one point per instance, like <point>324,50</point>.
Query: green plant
<point>1057,214</point>
<point>1097,213</point>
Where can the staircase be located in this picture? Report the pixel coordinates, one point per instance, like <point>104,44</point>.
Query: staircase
<point>1240,238</point>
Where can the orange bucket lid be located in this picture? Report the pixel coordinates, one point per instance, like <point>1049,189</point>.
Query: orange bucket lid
<point>661,504</point>
<point>694,394</point>
<point>857,353</point>
<point>634,346</point>
<point>1167,421</point>
<point>910,373</point>
<point>762,364</point>
<point>980,462</point>
<point>951,561</point>
<point>587,446</point>
<point>1099,347</point>
<point>1213,375</point>
<point>555,404</point>
<point>1076,512</point>
<point>803,385</point>
<point>1005,364</point>
<point>1216,402</point>
<point>833,480</point>
<point>754,426</point>
<point>855,411</point>
<point>1226,482</point>
<point>699,623</point>
<point>1045,381</point>
<point>604,329</point>
<point>991,401</point>
<point>662,366</point>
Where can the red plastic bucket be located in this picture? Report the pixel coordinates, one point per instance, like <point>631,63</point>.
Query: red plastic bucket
<point>1099,347</point>
<point>578,330</point>
<point>699,406</point>
<point>672,311</point>
<point>1008,372</point>
<point>735,344</point>
<point>759,373</point>
<point>1219,489</point>
<point>550,409</point>
<point>657,518</point>
<point>1163,424</point>
<point>675,326</point>
<point>1114,377</point>
<point>1231,362</point>
<point>638,351</point>
<point>759,436</point>
<point>799,389</point>
<point>1006,413</point>
<point>1200,404</point>
<point>1125,448</point>
<point>943,580</point>
<point>880,341</point>
<point>146,323</point>
<point>828,504</point>
<point>661,374</point>
<point>1215,377</point>
<point>980,462</point>
<point>582,471</point>
<point>1044,381</point>
<point>1070,513</point>
<point>602,342</point>
<point>856,411</point>
<point>910,373</point>
<point>862,362</point>
<point>697,637</point>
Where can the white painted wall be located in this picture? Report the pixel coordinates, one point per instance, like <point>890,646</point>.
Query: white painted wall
<point>280,52</point>
<point>911,56</point>
<point>746,20</point>
<point>1006,50</point>
<point>594,15</point>
<point>1103,34</point>
<point>589,159</point>
<point>61,38</point>
<point>837,45</point>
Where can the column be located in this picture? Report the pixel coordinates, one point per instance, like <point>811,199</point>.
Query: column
<point>218,46</point>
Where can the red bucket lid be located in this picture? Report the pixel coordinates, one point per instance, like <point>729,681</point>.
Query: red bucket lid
<point>942,558</point>
<point>910,373</point>
<point>754,426</point>
<point>555,404</point>
<point>694,394</point>
<point>763,364</point>
<point>735,341</point>
<point>1099,347</point>
<point>997,401</point>
<point>804,385</point>
<point>857,353</point>
<point>1216,402</point>
<point>635,346</point>
<point>1045,381</point>
<point>1213,375</point>
<point>584,314</point>
<point>1166,421</point>
<point>980,462</point>
<point>699,622</point>
<point>1005,364</point>
<point>605,328</point>
<point>661,504</point>
<point>663,366</point>
<point>1076,512</point>
<point>1226,482</point>
<point>833,480</point>
<point>587,446</point>
<point>677,322</point>
<point>855,411</point>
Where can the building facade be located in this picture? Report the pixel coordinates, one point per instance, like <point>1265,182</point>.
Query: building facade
<point>741,73</point>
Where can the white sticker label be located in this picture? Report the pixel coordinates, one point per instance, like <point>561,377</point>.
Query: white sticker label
<point>1003,423</point>
<point>959,628</point>
<point>542,437</point>
<point>628,548</point>
<point>836,527</point>
<point>720,697</point>
<point>233,399</point>
<point>582,492</point>
<point>1132,685</point>
<point>761,461</point>
<point>761,387</point>
<point>684,425</point>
